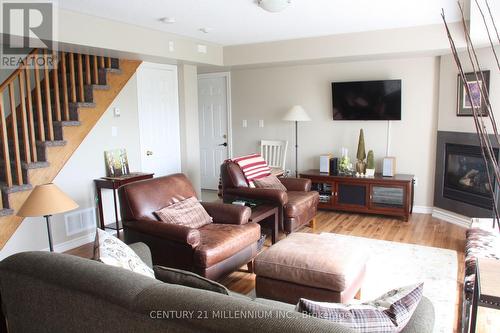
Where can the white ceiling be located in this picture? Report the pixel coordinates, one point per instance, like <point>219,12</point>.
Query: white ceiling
<point>242,21</point>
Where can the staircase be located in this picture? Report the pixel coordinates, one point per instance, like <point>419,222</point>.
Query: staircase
<point>44,116</point>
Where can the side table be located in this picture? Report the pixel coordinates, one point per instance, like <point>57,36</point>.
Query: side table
<point>267,215</point>
<point>486,288</point>
<point>113,183</point>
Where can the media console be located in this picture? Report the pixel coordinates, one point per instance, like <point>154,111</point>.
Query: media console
<point>376,195</point>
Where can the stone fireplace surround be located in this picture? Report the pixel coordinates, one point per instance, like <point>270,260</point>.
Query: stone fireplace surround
<point>440,201</point>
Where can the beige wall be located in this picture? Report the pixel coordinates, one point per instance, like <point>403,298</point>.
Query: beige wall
<point>86,164</point>
<point>448,120</point>
<point>267,93</point>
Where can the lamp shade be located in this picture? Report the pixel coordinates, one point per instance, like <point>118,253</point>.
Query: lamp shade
<point>46,199</point>
<point>297,113</point>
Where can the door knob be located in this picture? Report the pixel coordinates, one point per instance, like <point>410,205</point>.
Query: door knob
<point>223,144</point>
<point>149,153</point>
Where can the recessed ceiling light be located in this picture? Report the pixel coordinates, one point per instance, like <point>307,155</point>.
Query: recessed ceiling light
<point>274,6</point>
<point>167,20</point>
<point>205,30</point>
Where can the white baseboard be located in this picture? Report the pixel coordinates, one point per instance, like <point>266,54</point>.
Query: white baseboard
<point>450,217</point>
<point>422,209</point>
<point>73,243</point>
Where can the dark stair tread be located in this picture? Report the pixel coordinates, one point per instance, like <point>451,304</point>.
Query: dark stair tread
<point>83,104</point>
<point>6,212</point>
<point>100,86</point>
<point>67,123</point>
<point>54,143</point>
<point>113,70</point>
<point>15,188</point>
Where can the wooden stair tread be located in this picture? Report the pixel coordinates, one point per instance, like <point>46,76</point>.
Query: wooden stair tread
<point>6,212</point>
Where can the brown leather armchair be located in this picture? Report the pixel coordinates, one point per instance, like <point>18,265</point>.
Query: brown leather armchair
<point>213,250</point>
<point>298,204</point>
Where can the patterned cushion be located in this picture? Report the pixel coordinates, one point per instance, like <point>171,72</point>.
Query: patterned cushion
<point>112,251</point>
<point>271,182</point>
<point>189,213</point>
<point>253,167</point>
<point>390,312</point>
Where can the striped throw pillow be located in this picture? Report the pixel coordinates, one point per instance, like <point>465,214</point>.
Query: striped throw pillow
<point>253,167</point>
<point>189,213</point>
<point>389,313</point>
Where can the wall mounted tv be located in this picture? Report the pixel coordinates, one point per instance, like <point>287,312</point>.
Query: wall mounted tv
<point>367,100</point>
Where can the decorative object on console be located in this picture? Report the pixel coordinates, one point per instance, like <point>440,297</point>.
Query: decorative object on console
<point>296,114</point>
<point>389,167</point>
<point>324,163</point>
<point>476,88</point>
<point>334,166</point>
<point>345,166</point>
<point>116,162</point>
<point>390,312</point>
<point>361,154</point>
<point>111,251</point>
<point>370,164</point>
<point>47,200</point>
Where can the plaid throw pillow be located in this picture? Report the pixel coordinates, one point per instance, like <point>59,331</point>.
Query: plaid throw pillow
<point>253,167</point>
<point>389,313</point>
<point>270,182</point>
<point>189,213</point>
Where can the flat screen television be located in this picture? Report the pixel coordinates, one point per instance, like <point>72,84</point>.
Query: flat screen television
<point>367,100</point>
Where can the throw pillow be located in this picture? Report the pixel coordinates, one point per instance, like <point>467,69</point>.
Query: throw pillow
<point>271,182</point>
<point>253,167</point>
<point>112,251</point>
<point>189,213</point>
<point>388,313</point>
<point>188,279</point>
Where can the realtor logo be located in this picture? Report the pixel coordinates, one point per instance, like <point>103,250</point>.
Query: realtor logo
<point>25,26</point>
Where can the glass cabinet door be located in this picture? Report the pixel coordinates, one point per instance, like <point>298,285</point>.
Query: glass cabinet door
<point>387,197</point>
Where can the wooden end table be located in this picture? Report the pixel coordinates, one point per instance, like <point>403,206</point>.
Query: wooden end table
<point>113,183</point>
<point>267,215</point>
<point>486,288</point>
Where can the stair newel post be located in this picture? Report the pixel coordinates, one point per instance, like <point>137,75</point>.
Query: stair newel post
<point>29,111</point>
<point>72,76</point>
<point>88,77</point>
<point>24,118</point>
<point>96,70</point>
<point>64,85</point>
<point>55,83</point>
<point>15,138</point>
<point>5,143</point>
<point>48,103</point>
<point>38,98</point>
<point>81,94</point>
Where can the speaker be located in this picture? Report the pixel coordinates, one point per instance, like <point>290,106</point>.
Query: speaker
<point>334,166</point>
<point>324,163</point>
<point>389,167</point>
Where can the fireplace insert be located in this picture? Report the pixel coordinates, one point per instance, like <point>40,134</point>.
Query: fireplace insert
<point>466,176</point>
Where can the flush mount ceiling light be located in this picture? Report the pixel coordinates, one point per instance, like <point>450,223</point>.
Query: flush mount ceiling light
<point>167,20</point>
<point>274,6</point>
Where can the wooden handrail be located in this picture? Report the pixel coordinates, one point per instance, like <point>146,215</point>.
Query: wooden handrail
<point>15,74</point>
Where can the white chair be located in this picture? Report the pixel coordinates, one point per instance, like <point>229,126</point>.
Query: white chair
<point>274,152</point>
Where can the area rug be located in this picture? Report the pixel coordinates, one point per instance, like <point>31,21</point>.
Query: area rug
<point>393,264</point>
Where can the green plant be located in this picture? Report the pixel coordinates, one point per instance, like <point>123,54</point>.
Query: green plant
<point>361,146</point>
<point>370,160</point>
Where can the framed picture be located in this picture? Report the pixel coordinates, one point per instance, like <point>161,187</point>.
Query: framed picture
<point>464,107</point>
<point>116,163</point>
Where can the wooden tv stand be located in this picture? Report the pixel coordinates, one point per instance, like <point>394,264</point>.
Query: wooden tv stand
<point>376,195</point>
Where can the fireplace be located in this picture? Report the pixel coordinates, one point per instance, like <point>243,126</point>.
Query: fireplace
<point>461,176</point>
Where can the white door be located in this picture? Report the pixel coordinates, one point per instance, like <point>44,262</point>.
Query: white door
<point>159,118</point>
<point>213,105</point>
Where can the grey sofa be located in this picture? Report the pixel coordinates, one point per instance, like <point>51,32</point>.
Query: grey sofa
<point>49,292</point>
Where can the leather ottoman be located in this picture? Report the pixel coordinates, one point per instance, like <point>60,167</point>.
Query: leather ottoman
<point>310,266</point>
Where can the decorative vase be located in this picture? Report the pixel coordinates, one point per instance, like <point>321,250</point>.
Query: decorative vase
<point>370,172</point>
<point>360,167</point>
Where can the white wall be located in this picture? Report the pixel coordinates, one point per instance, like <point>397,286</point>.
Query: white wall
<point>76,178</point>
<point>267,93</point>
<point>448,120</point>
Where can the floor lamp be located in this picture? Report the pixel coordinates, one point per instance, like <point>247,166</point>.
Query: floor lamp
<point>297,113</point>
<point>47,200</point>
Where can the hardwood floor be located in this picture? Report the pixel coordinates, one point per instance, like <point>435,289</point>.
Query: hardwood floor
<point>421,229</point>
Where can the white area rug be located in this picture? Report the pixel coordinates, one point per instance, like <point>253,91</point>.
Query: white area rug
<point>393,264</point>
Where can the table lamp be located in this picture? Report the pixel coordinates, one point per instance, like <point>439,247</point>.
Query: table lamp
<point>297,113</point>
<point>46,200</point>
